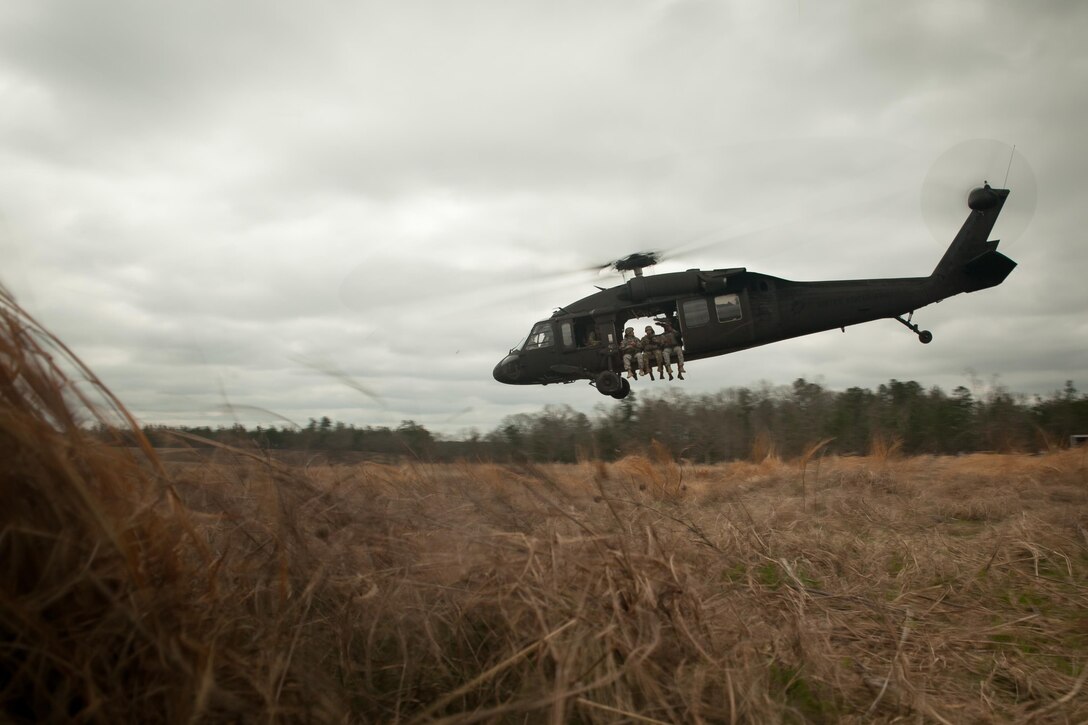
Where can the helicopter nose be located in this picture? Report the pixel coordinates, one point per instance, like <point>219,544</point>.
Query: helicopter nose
<point>508,371</point>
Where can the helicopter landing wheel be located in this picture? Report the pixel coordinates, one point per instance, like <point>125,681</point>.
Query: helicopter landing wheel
<point>609,383</point>
<point>924,336</point>
<point>624,391</point>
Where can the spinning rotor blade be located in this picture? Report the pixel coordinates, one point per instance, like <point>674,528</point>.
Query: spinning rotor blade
<point>776,185</point>
<point>732,235</point>
<point>966,166</point>
<point>384,285</point>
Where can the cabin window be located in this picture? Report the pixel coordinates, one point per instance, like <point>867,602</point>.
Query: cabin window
<point>541,336</point>
<point>695,312</point>
<point>728,307</point>
<point>584,333</point>
<point>566,334</point>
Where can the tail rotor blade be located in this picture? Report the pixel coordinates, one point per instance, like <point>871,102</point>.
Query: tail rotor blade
<point>966,166</point>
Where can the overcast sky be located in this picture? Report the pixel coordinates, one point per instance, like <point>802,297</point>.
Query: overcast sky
<point>354,209</point>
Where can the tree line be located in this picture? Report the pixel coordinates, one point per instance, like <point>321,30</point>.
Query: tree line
<point>734,423</point>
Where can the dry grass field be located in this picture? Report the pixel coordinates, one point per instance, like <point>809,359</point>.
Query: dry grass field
<point>233,587</point>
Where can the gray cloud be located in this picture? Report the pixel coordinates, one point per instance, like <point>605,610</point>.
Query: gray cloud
<point>196,197</point>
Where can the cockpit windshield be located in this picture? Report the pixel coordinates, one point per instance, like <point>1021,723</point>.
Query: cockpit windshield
<point>541,336</point>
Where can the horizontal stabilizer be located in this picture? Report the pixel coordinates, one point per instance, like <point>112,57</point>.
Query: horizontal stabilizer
<point>988,269</point>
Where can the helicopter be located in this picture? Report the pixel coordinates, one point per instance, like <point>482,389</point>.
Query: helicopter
<point>716,312</point>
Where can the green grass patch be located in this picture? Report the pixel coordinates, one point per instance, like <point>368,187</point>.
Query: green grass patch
<point>800,695</point>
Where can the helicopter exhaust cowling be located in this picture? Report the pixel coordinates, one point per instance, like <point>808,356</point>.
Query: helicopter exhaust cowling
<point>677,284</point>
<point>643,288</point>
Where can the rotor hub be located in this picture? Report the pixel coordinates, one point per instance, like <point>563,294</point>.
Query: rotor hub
<point>636,262</point>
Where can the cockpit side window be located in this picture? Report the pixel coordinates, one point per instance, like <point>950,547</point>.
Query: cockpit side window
<point>584,333</point>
<point>566,334</point>
<point>541,336</point>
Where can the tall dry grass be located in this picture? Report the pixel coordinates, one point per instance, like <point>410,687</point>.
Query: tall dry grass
<point>231,586</point>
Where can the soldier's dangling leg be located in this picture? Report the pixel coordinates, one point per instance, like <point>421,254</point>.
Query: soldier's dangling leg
<point>679,361</point>
<point>644,364</point>
<point>627,366</point>
<point>666,356</point>
<point>659,362</point>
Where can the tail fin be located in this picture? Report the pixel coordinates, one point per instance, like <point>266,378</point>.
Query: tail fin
<point>972,262</point>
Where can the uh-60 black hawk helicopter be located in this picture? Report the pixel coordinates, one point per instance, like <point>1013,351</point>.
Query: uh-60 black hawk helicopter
<point>724,310</point>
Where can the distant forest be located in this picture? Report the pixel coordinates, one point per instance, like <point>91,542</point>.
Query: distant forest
<point>736,423</point>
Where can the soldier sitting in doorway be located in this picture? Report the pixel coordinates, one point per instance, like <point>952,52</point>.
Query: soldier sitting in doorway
<point>651,354</point>
<point>671,347</point>
<point>629,348</point>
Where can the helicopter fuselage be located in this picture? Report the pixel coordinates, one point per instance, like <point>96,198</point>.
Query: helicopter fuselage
<point>725,310</point>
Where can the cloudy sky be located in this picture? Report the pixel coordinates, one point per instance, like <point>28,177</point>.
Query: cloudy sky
<point>354,209</point>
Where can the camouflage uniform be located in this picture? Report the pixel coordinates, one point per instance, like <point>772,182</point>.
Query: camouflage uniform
<point>670,346</point>
<point>651,353</point>
<point>629,346</point>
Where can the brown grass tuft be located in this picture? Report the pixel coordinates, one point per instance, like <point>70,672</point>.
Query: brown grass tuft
<point>763,448</point>
<point>884,449</point>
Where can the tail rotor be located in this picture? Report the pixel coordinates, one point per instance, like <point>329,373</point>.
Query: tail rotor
<point>967,166</point>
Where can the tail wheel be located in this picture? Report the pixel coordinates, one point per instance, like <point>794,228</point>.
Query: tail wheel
<point>925,336</point>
